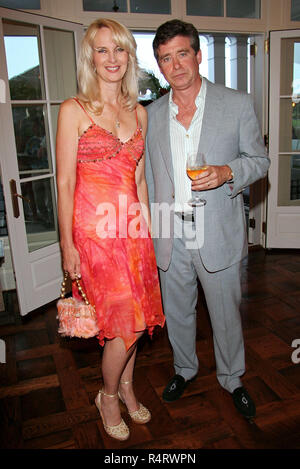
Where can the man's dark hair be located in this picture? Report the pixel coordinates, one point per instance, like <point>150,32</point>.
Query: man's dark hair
<point>173,28</point>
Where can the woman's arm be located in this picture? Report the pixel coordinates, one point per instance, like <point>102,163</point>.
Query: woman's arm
<point>66,158</point>
<point>142,189</point>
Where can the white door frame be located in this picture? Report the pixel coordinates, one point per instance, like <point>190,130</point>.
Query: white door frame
<point>259,92</point>
<point>283,222</point>
<point>38,274</point>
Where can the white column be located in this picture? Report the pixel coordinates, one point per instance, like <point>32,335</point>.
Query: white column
<point>216,59</point>
<point>238,63</point>
<point>211,58</point>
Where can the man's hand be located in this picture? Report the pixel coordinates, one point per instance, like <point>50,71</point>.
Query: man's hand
<point>213,177</point>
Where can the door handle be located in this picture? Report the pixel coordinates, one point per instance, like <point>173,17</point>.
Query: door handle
<point>14,198</point>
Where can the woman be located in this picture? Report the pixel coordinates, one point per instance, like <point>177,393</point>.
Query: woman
<point>100,172</point>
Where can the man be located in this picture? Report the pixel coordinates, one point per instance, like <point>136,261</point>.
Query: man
<point>199,116</point>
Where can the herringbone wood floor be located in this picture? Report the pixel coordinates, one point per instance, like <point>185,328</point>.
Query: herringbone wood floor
<point>48,384</point>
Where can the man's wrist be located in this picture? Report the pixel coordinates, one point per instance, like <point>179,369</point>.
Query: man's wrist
<point>230,177</point>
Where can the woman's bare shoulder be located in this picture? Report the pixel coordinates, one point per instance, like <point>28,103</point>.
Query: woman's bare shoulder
<point>142,113</point>
<point>70,105</point>
<point>71,112</point>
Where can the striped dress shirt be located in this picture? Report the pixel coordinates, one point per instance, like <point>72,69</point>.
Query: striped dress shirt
<point>183,142</point>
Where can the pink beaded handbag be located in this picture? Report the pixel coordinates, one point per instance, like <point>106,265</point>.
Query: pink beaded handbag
<point>76,318</point>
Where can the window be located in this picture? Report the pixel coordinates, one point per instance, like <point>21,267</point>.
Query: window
<point>295,10</point>
<point>152,82</point>
<point>233,70</point>
<point>105,5</point>
<point>23,4</point>
<point>244,9</point>
<point>24,70</point>
<point>162,7</point>
<point>205,8</point>
<point>234,8</point>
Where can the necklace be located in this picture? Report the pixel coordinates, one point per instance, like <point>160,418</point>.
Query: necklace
<point>117,123</point>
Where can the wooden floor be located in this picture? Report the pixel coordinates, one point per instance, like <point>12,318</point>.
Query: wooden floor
<point>48,384</point>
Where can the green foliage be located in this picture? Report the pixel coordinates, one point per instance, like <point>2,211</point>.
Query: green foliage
<point>26,85</point>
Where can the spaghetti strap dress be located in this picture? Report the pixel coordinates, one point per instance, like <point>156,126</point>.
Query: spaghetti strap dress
<point>117,261</point>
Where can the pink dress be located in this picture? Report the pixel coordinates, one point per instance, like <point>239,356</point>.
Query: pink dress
<point>118,265</point>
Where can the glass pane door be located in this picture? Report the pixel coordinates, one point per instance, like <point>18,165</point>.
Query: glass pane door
<point>283,225</point>
<point>22,46</point>
<point>289,122</point>
<point>38,69</point>
<point>60,58</point>
<point>32,93</point>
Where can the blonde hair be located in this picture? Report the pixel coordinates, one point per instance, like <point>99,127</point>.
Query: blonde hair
<point>88,88</point>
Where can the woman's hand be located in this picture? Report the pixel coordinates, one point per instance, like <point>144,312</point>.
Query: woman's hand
<point>71,261</point>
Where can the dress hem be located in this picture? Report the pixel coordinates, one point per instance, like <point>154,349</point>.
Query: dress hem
<point>128,343</point>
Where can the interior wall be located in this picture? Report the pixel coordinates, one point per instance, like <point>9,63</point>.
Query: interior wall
<point>275,15</point>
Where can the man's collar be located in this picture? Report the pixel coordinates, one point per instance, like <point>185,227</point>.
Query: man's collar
<point>198,99</point>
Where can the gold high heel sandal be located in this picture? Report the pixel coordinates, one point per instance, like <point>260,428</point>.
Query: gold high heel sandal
<point>142,415</point>
<point>119,432</point>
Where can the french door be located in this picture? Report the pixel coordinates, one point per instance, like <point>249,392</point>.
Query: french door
<point>38,71</point>
<point>283,219</point>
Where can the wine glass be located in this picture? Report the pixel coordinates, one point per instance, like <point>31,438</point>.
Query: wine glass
<point>195,165</point>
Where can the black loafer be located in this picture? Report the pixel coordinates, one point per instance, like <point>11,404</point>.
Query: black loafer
<point>244,403</point>
<point>174,388</point>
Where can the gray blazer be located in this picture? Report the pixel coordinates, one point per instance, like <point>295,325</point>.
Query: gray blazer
<point>230,135</point>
